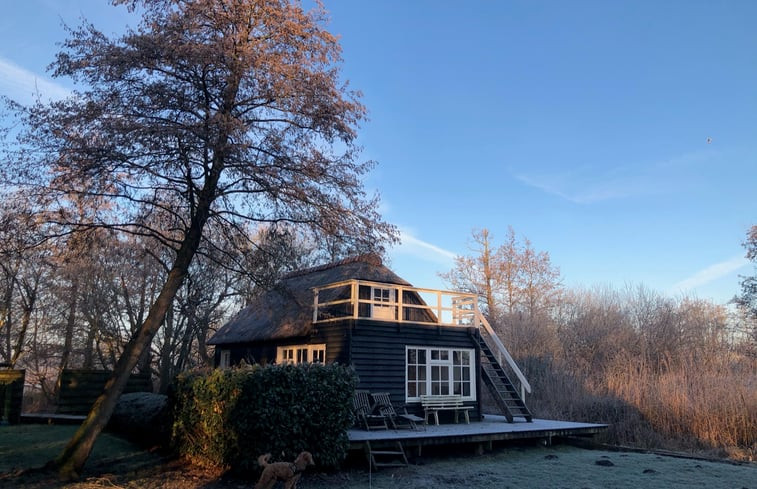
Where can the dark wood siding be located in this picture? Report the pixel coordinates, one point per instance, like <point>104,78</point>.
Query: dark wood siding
<point>333,335</point>
<point>378,354</point>
<point>376,349</point>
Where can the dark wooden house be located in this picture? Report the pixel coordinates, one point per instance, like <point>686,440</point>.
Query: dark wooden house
<point>400,339</point>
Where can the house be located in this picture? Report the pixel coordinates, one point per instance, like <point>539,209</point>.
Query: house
<point>400,339</point>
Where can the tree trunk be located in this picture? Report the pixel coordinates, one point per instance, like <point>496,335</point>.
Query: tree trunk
<point>89,344</point>
<point>70,323</point>
<point>29,302</point>
<point>6,318</point>
<point>71,461</point>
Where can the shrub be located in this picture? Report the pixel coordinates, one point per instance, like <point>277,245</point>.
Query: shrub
<point>227,418</point>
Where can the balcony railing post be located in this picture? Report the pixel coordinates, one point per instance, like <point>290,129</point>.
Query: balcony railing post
<point>355,298</point>
<point>400,294</point>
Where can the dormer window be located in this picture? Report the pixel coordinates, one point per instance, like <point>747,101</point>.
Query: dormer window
<point>383,306</point>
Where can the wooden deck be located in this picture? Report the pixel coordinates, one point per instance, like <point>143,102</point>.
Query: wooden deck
<point>492,428</point>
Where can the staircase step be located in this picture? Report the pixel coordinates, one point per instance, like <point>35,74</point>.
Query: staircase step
<point>496,379</point>
<point>386,452</point>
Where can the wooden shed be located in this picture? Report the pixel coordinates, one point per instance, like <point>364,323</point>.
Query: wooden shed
<point>400,339</point>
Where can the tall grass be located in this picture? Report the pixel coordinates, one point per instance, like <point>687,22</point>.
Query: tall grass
<point>688,408</point>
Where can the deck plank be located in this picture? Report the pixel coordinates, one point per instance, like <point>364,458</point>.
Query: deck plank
<point>492,428</point>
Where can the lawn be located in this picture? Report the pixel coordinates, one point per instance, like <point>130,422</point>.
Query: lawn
<point>118,464</point>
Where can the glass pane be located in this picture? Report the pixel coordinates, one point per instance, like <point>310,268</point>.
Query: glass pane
<point>435,373</point>
<point>457,374</point>
<point>445,374</point>
<point>456,357</point>
<point>411,373</point>
<point>444,389</point>
<point>435,389</point>
<point>421,357</point>
<point>466,374</point>
<point>466,357</point>
<point>421,373</point>
<point>456,387</point>
<point>434,354</point>
<point>412,356</point>
<point>466,389</point>
<point>422,389</point>
<point>443,355</point>
<point>411,390</point>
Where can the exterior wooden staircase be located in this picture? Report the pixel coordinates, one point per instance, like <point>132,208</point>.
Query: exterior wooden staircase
<point>506,396</point>
<point>393,456</point>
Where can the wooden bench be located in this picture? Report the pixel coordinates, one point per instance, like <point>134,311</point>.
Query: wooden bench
<point>433,404</point>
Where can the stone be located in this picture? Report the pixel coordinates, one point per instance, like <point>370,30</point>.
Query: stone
<point>142,417</point>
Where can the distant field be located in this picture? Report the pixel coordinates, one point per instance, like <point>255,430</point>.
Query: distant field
<point>118,464</point>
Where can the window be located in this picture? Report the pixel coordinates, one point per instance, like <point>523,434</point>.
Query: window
<point>440,371</point>
<point>301,354</point>
<point>225,359</point>
<point>382,311</point>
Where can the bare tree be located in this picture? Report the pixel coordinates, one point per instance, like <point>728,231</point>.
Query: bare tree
<point>747,299</point>
<point>477,273</point>
<point>518,284</point>
<point>211,111</point>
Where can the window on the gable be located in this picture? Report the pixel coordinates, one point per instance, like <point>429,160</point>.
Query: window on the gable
<point>383,306</point>
<point>225,359</point>
<point>301,354</point>
<point>440,371</point>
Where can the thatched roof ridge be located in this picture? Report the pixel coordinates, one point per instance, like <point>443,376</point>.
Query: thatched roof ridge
<point>287,310</point>
<point>370,258</point>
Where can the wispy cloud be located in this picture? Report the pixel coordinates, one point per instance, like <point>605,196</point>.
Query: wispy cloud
<point>591,184</point>
<point>23,86</point>
<point>423,249</point>
<point>710,274</point>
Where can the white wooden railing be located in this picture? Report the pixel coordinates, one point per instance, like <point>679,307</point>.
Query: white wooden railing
<point>340,300</point>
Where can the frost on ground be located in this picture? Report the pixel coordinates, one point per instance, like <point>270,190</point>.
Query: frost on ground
<point>555,467</point>
<point>513,467</point>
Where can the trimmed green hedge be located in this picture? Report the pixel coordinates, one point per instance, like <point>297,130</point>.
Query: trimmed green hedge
<point>227,418</point>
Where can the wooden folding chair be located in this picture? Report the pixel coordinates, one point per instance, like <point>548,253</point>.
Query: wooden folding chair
<point>383,403</point>
<point>364,412</point>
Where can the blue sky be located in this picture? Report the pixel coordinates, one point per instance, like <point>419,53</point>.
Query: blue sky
<point>583,125</point>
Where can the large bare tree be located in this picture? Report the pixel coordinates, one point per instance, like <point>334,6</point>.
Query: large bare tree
<point>210,111</point>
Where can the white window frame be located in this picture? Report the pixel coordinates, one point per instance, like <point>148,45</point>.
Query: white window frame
<point>381,311</point>
<point>301,354</point>
<point>444,360</point>
<point>224,360</point>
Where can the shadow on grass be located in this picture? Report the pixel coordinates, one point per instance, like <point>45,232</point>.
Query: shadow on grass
<point>25,450</point>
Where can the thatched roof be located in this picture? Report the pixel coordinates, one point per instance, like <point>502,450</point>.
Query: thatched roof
<point>287,310</point>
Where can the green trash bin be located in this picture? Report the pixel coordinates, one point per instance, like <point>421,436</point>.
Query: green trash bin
<point>11,395</point>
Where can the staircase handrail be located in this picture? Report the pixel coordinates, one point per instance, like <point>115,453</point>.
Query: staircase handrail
<point>503,351</point>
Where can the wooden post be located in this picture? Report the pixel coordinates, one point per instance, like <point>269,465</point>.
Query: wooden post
<point>315,305</point>
<point>355,298</point>
<point>400,312</point>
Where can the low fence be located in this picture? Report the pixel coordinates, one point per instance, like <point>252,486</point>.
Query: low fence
<point>80,388</point>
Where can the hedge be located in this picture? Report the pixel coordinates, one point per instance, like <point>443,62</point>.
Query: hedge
<point>227,418</point>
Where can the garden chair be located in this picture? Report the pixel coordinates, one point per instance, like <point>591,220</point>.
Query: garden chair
<point>383,403</point>
<point>364,412</point>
